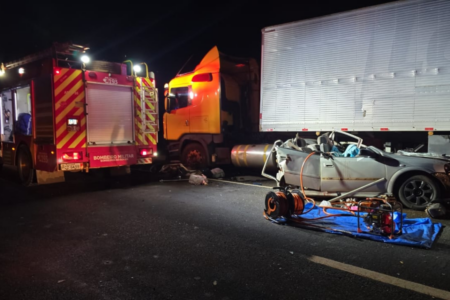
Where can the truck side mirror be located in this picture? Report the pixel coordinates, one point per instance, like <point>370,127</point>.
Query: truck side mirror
<point>168,105</point>
<point>169,100</point>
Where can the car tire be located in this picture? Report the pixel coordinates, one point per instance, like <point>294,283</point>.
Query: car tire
<point>417,191</point>
<point>25,166</point>
<point>194,156</point>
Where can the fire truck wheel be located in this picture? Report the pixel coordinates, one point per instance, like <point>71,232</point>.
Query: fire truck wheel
<point>194,156</point>
<point>25,166</point>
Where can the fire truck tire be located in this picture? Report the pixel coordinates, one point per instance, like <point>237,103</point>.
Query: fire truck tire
<point>194,156</point>
<point>25,166</point>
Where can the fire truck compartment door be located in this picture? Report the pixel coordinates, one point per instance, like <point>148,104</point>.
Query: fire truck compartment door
<point>110,114</point>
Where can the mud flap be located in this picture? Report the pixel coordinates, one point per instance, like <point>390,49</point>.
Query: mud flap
<point>44,177</point>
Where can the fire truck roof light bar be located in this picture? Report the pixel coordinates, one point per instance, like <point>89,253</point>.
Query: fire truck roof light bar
<point>137,69</point>
<point>85,59</point>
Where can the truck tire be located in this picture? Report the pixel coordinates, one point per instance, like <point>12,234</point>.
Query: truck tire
<point>194,156</point>
<point>25,166</point>
<point>417,191</point>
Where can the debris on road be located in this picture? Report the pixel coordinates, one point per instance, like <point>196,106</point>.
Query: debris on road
<point>176,170</point>
<point>217,173</point>
<point>198,179</point>
<point>438,209</point>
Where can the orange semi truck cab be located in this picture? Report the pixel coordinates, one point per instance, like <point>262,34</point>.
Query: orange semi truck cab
<point>211,108</point>
<point>62,112</point>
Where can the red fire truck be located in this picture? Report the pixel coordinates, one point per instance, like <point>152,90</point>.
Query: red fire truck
<point>62,112</point>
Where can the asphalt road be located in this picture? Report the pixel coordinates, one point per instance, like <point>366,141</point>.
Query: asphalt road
<point>135,239</point>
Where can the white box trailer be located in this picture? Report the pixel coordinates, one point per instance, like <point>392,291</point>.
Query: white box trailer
<point>381,68</point>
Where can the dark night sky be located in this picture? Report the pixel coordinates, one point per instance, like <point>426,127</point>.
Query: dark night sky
<point>162,33</point>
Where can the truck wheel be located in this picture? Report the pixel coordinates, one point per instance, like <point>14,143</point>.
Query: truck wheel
<point>194,156</point>
<point>418,191</point>
<point>25,166</point>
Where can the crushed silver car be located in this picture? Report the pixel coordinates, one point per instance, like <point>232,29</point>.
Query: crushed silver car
<point>335,166</point>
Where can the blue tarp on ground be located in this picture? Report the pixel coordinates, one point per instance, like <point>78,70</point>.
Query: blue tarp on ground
<point>420,232</point>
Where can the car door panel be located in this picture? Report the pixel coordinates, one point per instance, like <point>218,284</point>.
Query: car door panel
<point>292,167</point>
<point>343,174</point>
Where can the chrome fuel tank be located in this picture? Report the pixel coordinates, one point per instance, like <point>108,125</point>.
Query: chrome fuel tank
<point>253,156</point>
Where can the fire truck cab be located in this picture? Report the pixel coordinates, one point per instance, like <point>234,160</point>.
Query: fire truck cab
<point>61,112</point>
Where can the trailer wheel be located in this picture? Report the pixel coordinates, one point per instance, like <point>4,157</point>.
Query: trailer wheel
<point>25,166</point>
<point>418,191</point>
<point>194,156</point>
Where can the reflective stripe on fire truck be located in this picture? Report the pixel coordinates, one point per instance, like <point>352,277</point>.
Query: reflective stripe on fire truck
<point>146,126</point>
<point>69,102</point>
<point>142,161</point>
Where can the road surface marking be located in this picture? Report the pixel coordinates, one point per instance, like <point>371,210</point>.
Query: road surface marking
<point>254,185</point>
<point>416,287</point>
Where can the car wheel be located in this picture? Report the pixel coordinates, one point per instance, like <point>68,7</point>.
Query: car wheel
<point>418,191</point>
<point>194,156</point>
<point>25,166</point>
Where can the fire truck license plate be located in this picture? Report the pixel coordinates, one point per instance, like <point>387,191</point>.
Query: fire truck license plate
<point>70,167</point>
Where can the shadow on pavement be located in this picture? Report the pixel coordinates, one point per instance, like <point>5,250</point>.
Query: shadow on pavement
<point>76,183</point>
